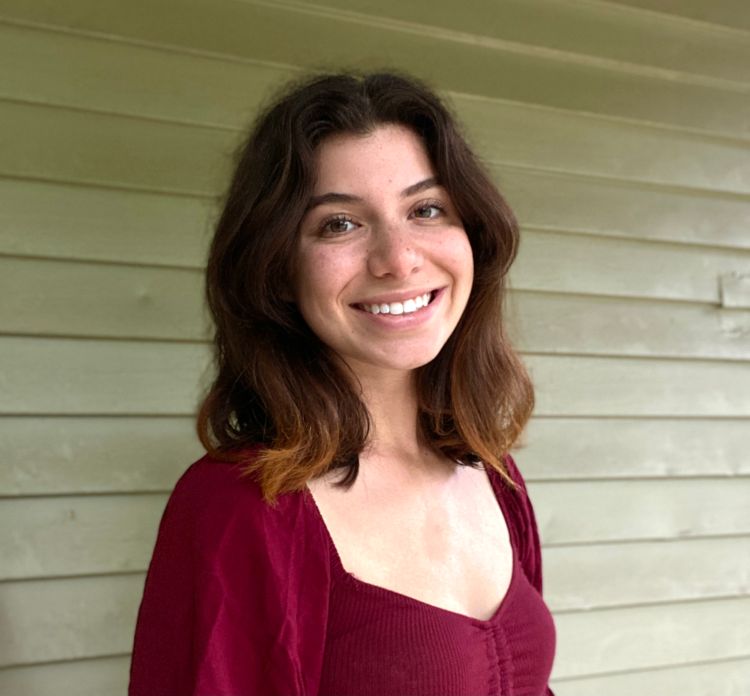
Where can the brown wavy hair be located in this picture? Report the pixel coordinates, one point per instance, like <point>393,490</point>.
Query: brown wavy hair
<point>281,403</point>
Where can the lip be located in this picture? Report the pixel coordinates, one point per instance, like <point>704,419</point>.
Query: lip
<point>404,321</point>
<point>401,296</point>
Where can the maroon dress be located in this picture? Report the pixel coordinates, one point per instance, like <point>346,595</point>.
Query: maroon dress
<point>242,599</point>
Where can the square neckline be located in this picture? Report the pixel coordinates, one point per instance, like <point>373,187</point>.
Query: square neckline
<point>354,581</point>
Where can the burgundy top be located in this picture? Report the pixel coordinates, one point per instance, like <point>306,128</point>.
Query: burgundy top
<point>242,599</point>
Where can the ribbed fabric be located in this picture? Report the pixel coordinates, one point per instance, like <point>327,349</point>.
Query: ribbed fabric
<point>242,599</point>
<point>383,643</point>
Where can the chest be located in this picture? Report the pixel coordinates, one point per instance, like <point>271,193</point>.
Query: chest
<point>448,547</point>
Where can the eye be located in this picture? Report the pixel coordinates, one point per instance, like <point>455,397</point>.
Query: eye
<point>429,210</point>
<point>338,224</point>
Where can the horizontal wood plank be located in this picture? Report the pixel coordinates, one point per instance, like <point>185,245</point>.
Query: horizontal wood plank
<point>594,576</point>
<point>553,323</point>
<point>61,298</point>
<point>735,290</point>
<point>106,676</point>
<point>78,535</point>
<point>632,638</point>
<point>65,619</point>
<point>600,206</point>
<point>585,511</point>
<point>249,31</point>
<point>578,448</point>
<point>94,455</point>
<point>607,387</point>
<point>74,377</point>
<point>720,678</point>
<point>99,224</point>
<point>555,262</point>
<point>69,146</point>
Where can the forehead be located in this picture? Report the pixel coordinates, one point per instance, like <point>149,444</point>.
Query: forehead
<point>390,154</point>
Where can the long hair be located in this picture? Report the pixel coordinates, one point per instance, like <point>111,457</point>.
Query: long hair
<point>281,402</point>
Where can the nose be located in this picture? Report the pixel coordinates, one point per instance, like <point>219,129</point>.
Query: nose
<point>393,252</point>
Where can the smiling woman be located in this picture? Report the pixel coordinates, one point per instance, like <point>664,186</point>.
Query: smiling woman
<point>356,280</point>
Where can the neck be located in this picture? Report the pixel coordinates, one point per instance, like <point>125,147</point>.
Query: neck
<point>391,399</point>
<point>396,448</point>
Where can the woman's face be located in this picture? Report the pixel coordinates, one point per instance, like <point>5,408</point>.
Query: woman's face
<point>384,264</point>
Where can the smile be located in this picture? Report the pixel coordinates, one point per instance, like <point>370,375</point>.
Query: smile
<point>406,307</point>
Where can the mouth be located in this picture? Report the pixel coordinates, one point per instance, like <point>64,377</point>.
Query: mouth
<point>408,306</point>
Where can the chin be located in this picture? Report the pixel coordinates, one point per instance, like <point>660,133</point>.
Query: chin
<point>410,362</point>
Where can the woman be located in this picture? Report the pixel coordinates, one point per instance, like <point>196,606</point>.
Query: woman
<point>356,280</point>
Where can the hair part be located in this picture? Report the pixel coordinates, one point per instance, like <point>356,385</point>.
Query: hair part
<point>279,390</point>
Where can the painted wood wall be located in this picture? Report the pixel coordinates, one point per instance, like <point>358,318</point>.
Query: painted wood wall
<point>621,134</point>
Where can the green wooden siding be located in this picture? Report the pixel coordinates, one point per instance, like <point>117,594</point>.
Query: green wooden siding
<point>620,131</point>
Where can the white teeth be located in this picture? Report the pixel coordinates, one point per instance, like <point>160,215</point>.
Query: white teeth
<point>405,307</point>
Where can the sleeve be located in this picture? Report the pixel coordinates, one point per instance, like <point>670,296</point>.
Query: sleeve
<point>530,549</point>
<point>236,595</point>
<point>528,541</point>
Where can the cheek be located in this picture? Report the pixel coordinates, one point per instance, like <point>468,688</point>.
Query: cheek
<point>321,278</point>
<point>461,258</point>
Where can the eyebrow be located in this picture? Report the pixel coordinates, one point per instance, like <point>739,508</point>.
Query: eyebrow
<point>351,198</point>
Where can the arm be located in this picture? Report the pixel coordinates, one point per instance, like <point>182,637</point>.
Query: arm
<point>530,547</point>
<point>529,544</point>
<point>225,611</point>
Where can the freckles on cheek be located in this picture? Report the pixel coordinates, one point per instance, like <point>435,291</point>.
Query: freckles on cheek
<point>321,269</point>
<point>338,264</point>
<point>320,274</point>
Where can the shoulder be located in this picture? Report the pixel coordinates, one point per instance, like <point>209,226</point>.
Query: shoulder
<point>517,499</point>
<point>208,484</point>
<point>217,506</point>
<point>214,485</point>
<point>522,522</point>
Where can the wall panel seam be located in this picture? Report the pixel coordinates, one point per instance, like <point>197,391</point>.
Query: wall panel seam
<point>665,17</point>
<point>178,49</point>
<point>739,536</point>
<point>505,45</point>
<point>647,670</point>
<point>704,599</point>
<point>53,663</point>
<point>623,182</point>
